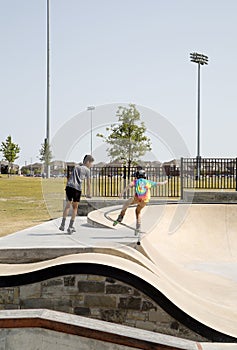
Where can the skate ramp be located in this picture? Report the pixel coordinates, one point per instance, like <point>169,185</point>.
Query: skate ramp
<point>199,256</point>
<point>186,261</point>
<point>193,252</point>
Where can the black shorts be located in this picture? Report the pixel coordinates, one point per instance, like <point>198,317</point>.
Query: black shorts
<point>73,195</point>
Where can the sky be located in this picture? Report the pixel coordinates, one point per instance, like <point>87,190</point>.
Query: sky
<point>110,52</point>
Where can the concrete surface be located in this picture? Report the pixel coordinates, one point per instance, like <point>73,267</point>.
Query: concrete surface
<point>78,324</point>
<point>190,254</point>
<point>47,235</point>
<point>210,196</point>
<point>91,334</point>
<point>194,248</point>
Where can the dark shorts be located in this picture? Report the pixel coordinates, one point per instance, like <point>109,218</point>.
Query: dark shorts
<point>73,195</point>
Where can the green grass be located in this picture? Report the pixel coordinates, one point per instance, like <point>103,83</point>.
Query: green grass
<point>53,190</point>
<point>21,203</point>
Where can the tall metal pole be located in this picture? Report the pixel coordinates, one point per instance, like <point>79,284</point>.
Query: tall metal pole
<point>198,127</point>
<point>200,59</point>
<point>91,109</point>
<point>91,131</point>
<point>47,143</point>
<point>198,114</point>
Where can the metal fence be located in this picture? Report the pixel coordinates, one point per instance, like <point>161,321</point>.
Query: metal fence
<point>111,181</point>
<point>208,173</point>
<point>189,173</point>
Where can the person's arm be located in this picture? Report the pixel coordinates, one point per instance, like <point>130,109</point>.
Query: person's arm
<point>126,188</point>
<point>162,183</point>
<point>88,187</point>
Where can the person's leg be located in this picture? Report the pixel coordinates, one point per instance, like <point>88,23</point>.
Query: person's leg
<point>74,210</point>
<point>65,214</point>
<point>123,211</point>
<point>139,208</point>
<point>66,209</point>
<point>74,213</point>
<point>75,203</point>
<point>129,202</point>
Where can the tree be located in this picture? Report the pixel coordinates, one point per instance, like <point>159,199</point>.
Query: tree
<point>10,152</point>
<point>45,154</point>
<point>127,140</point>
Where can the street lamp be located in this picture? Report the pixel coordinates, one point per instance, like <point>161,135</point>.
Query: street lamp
<point>47,141</point>
<point>91,109</point>
<point>200,59</point>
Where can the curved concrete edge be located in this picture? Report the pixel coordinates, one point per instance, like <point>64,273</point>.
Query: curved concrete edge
<point>154,286</point>
<point>209,289</point>
<point>206,310</point>
<point>97,218</point>
<point>95,329</point>
<point>100,217</point>
<point>94,223</point>
<point>124,252</point>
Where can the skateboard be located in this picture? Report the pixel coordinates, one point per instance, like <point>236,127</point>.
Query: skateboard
<point>137,233</point>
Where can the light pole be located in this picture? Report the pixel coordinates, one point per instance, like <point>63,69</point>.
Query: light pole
<point>200,59</point>
<point>47,141</point>
<point>91,109</point>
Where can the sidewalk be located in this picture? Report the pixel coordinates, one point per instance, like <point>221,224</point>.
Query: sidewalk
<point>47,235</point>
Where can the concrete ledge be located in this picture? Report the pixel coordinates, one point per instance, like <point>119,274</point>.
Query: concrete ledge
<point>86,206</point>
<point>95,334</point>
<point>219,197</point>
<point>34,255</point>
<point>29,328</point>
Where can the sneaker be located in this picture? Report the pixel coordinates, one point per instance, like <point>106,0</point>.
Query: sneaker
<point>70,230</point>
<point>61,228</point>
<point>119,219</point>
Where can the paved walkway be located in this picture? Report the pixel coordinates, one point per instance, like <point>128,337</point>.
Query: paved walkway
<point>47,235</point>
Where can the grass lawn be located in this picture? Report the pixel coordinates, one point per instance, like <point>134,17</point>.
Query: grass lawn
<point>21,203</point>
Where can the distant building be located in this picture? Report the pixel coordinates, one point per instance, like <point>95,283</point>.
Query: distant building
<point>100,164</point>
<point>4,165</point>
<point>57,168</point>
<point>32,169</point>
<point>172,168</point>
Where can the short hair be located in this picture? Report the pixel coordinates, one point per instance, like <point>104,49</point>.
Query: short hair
<point>88,158</point>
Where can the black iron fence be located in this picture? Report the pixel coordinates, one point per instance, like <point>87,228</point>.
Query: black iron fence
<point>187,173</point>
<point>208,173</point>
<point>111,181</point>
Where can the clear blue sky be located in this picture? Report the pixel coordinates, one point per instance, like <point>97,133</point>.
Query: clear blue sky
<point>109,51</point>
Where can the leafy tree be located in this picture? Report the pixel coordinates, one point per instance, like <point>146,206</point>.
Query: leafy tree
<point>127,140</point>
<point>10,152</point>
<point>25,171</point>
<point>46,154</point>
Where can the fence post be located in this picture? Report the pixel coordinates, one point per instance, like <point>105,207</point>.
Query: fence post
<point>181,178</point>
<point>125,179</point>
<point>198,165</point>
<point>235,174</point>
